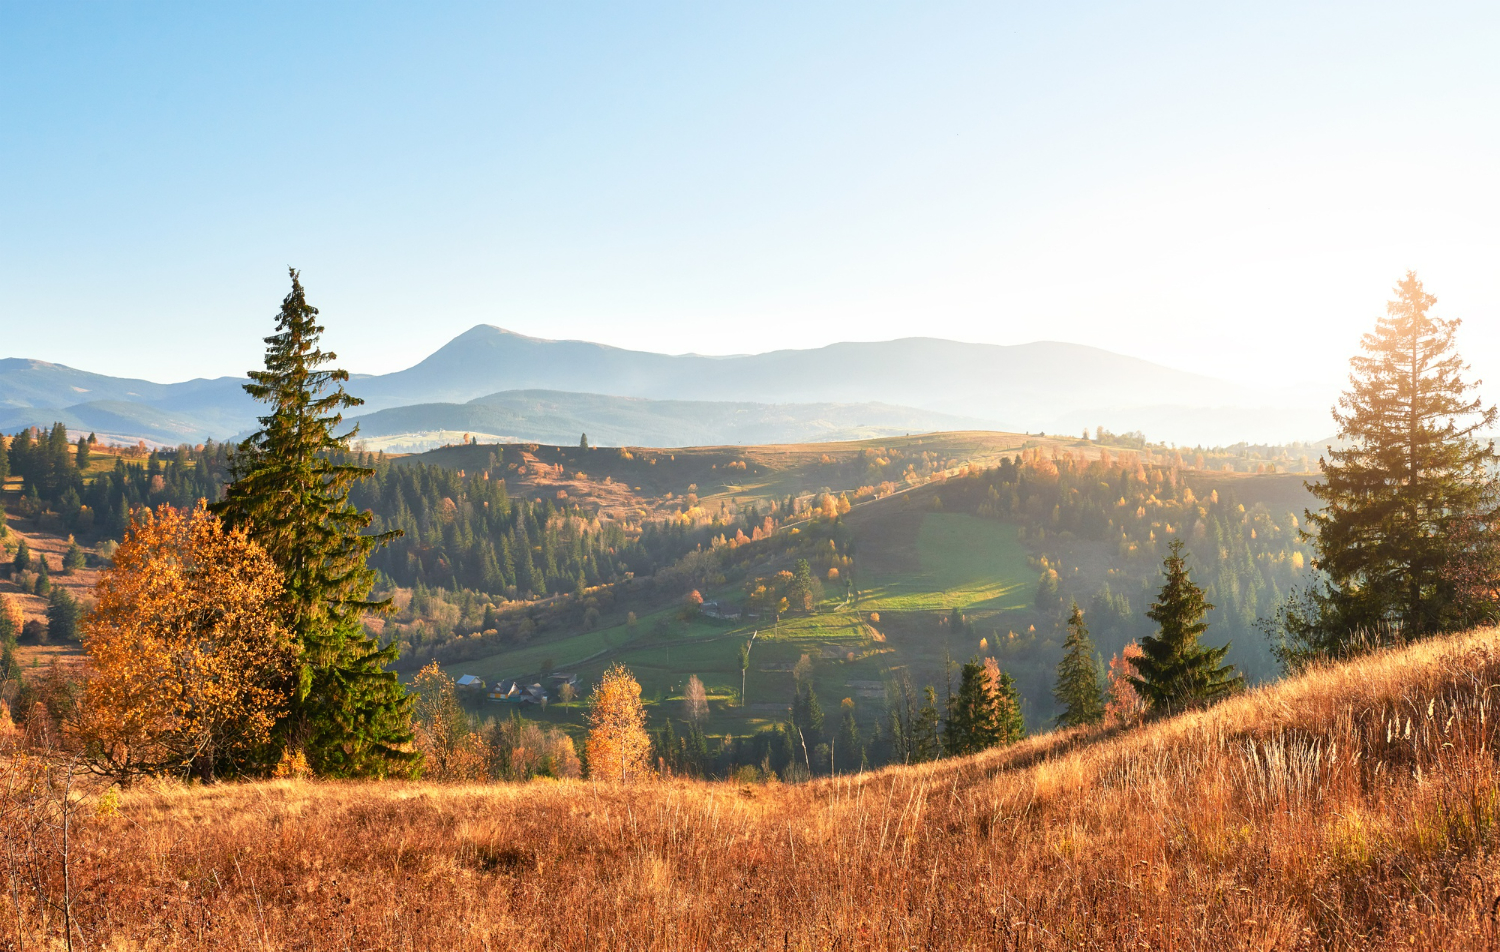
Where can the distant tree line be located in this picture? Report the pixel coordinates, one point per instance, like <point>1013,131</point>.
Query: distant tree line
<point>1249,559</point>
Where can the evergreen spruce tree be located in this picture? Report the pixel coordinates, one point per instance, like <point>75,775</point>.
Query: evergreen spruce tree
<point>1078,690</point>
<point>1012,721</point>
<point>1406,540</point>
<point>807,714</point>
<point>848,746</point>
<point>926,743</point>
<point>58,465</point>
<point>975,718</point>
<point>801,591</point>
<point>63,616</point>
<point>1174,671</point>
<point>349,715</point>
<point>22,560</point>
<point>20,458</point>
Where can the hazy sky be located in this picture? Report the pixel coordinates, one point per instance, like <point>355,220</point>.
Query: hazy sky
<point>1226,191</point>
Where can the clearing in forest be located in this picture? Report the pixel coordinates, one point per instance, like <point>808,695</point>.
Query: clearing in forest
<point>949,561</point>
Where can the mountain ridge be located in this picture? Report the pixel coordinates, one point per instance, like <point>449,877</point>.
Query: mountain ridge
<point>1036,386</point>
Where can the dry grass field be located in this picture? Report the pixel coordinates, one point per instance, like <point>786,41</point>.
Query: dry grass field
<point>1354,807</point>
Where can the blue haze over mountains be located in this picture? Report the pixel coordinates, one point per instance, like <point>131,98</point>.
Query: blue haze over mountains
<point>504,385</point>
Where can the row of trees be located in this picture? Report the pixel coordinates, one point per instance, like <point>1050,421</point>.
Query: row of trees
<point>1170,671</point>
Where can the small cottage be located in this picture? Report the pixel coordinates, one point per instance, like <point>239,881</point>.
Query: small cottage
<point>506,690</point>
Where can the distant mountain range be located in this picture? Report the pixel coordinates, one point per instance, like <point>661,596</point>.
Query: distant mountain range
<point>507,385</point>
<point>559,417</point>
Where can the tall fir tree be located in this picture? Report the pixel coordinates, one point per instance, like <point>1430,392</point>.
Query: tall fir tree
<point>1174,671</point>
<point>57,463</point>
<point>349,715</point>
<point>848,746</point>
<point>985,712</point>
<point>1078,690</point>
<point>926,742</point>
<point>1406,539</point>
<point>807,714</point>
<point>21,448</point>
<point>1008,706</point>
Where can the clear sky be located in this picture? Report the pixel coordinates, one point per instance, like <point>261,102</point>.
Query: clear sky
<point>1232,191</point>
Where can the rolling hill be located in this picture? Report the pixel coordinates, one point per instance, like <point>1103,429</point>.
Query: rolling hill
<point>550,416</point>
<point>1042,386</point>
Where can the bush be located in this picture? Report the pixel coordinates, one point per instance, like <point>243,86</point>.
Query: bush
<point>33,633</point>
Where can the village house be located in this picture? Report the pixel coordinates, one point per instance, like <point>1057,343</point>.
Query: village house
<point>505,690</point>
<point>720,611</point>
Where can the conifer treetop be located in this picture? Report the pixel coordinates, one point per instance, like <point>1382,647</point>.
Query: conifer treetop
<point>291,490</point>
<point>1405,540</point>
<point>1174,671</point>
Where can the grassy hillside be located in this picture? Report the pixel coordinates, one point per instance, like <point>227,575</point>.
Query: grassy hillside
<point>1354,807</point>
<point>934,561</point>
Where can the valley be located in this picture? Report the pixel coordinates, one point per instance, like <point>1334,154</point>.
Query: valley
<point>916,572</point>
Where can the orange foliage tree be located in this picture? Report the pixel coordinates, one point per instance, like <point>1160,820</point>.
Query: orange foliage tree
<point>1124,706</point>
<point>618,747</point>
<point>11,619</point>
<point>192,664</point>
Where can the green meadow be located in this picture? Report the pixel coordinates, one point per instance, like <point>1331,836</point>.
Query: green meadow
<point>963,562</point>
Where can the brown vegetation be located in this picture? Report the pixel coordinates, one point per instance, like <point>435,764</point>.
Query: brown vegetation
<point>191,662</point>
<point>1352,807</point>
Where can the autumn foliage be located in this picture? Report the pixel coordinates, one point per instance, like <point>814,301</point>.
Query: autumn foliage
<point>192,665</point>
<point>1124,706</point>
<point>618,747</point>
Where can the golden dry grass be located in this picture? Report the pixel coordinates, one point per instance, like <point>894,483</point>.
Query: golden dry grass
<point>1354,807</point>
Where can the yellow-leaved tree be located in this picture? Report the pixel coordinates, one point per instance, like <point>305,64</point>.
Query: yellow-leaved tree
<point>618,746</point>
<point>192,664</point>
<point>451,750</point>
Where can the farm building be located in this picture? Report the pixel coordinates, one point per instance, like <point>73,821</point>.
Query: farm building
<point>506,690</point>
<point>721,611</point>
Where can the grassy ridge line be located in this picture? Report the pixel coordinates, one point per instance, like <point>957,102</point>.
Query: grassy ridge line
<point>1352,807</point>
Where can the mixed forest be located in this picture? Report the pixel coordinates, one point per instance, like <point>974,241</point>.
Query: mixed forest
<point>1016,626</point>
<point>429,565</point>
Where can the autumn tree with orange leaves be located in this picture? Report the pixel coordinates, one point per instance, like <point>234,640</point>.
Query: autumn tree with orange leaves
<point>618,746</point>
<point>192,662</point>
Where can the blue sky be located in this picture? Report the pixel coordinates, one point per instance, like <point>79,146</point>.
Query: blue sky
<point>1227,191</point>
